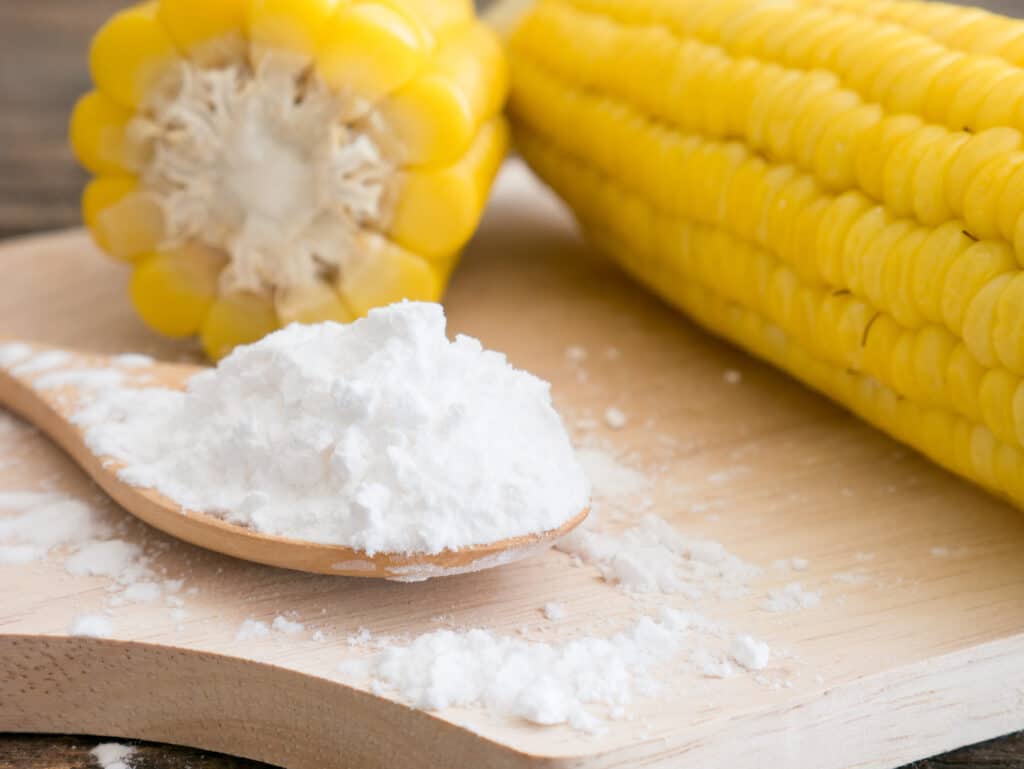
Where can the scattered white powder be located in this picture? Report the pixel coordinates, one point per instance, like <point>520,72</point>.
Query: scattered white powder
<point>318,635</point>
<point>790,598</point>
<point>13,352</point>
<point>538,682</point>
<point>142,592</point>
<point>367,435</point>
<point>611,480</point>
<point>112,755</point>
<point>750,653</point>
<point>710,665</point>
<point>86,378</point>
<point>252,628</point>
<point>43,361</point>
<point>654,557</point>
<point>284,625</point>
<point>732,376</point>
<point>615,418</point>
<point>850,577</point>
<point>107,559</point>
<point>575,353</point>
<point>42,522</point>
<point>362,637</point>
<point>555,611</point>
<point>132,360</point>
<point>91,625</point>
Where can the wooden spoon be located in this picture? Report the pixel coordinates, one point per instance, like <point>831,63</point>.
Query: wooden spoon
<point>48,398</point>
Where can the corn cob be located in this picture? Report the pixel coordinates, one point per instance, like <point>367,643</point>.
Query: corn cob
<point>835,185</point>
<point>259,162</point>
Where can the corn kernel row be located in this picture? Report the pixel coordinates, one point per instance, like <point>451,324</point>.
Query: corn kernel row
<point>965,29</point>
<point>904,70</point>
<point>926,171</point>
<point>916,274</point>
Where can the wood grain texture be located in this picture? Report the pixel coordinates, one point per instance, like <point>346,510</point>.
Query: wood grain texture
<point>42,54</point>
<point>921,656</point>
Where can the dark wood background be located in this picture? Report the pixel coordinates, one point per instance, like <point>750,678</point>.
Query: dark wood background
<point>42,71</point>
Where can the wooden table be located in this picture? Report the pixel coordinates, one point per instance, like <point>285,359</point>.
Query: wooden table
<point>42,69</point>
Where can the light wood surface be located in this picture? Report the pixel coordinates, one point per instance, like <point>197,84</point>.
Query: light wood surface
<point>922,652</point>
<point>52,409</point>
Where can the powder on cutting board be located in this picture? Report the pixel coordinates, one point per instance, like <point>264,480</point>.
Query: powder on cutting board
<point>654,557</point>
<point>112,755</point>
<point>252,628</point>
<point>284,625</point>
<point>538,682</point>
<point>43,521</point>
<point>750,653</point>
<point>91,626</point>
<point>792,597</point>
<point>578,682</point>
<point>381,435</point>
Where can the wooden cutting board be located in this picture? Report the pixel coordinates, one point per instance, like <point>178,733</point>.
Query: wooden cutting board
<point>916,647</point>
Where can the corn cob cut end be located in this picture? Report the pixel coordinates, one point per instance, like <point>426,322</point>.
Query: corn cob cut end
<point>303,143</point>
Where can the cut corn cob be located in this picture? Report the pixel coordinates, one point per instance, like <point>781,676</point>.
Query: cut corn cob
<point>836,185</point>
<point>261,162</point>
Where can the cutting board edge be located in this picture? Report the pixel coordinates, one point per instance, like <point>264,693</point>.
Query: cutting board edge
<point>73,702</point>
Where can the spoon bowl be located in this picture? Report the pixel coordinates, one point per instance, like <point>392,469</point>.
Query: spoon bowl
<point>49,396</point>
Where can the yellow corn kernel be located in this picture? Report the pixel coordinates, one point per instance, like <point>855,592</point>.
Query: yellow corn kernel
<point>875,147</point>
<point>968,274</point>
<point>172,292</point>
<point>1008,331</point>
<point>383,273</point>
<point>996,396</point>
<point>436,115</point>
<point>296,27</point>
<point>986,191</point>
<point>980,319</point>
<point>209,32</point>
<point>311,303</point>
<point>122,219</point>
<point>440,16</point>
<point>930,203</point>
<point>131,54</point>
<point>369,50</point>
<point>973,155</point>
<point>438,208</point>
<point>236,319</point>
<point>97,134</point>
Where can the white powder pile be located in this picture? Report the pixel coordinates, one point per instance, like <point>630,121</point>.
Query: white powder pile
<point>654,557</point>
<point>539,682</point>
<point>381,435</point>
<point>750,653</point>
<point>112,755</point>
<point>792,597</point>
<point>91,626</point>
